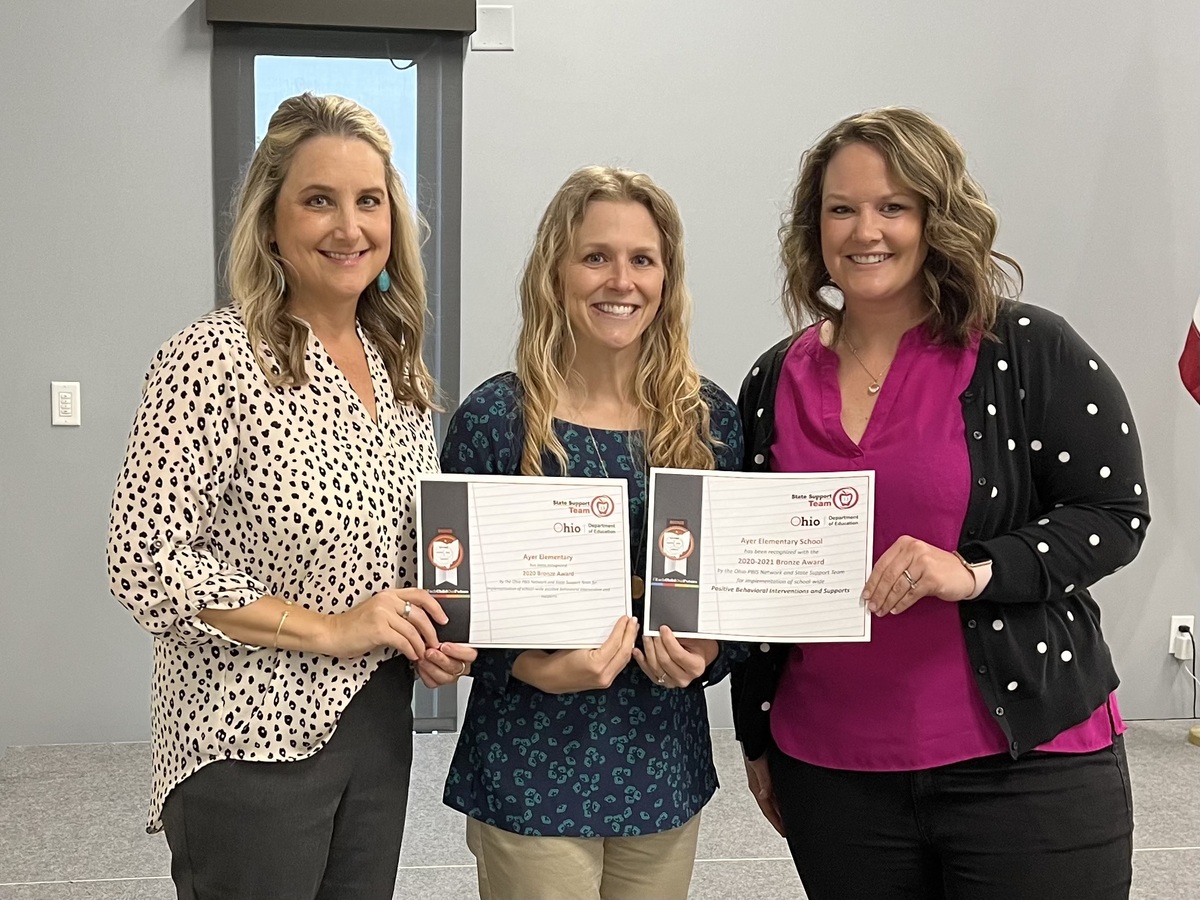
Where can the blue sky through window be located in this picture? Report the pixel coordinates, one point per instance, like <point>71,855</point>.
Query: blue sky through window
<point>388,92</point>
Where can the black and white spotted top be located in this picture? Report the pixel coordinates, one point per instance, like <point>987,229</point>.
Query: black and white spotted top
<point>233,489</point>
<point>1057,503</point>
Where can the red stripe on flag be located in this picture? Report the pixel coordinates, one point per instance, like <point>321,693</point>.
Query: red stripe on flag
<point>1189,362</point>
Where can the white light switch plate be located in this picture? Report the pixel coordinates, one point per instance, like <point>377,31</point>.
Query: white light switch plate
<point>64,403</point>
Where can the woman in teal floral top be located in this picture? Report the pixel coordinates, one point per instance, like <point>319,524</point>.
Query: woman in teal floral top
<point>583,772</point>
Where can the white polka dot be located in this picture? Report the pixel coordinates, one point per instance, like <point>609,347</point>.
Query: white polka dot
<point>765,648</point>
<point>766,705</point>
<point>1035,445</point>
<point>991,409</point>
<point>997,625</point>
<point>1065,656</point>
<point>1137,489</point>
<point>1043,521</point>
<point>1058,506</point>
<point>1070,615</point>
<point>1043,547</point>
<point>1070,589</point>
<point>1021,393</point>
<point>1041,647</point>
<point>1105,471</point>
<point>1002,365</point>
<point>1094,540</point>
<point>758,458</point>
<point>759,414</point>
<point>1012,685</point>
<point>1024,320</point>
<point>1135,522</point>
<point>995,492</point>
<point>1095,366</point>
<point>1012,445</point>
<point>754,371</point>
<point>1124,428</point>
<point>1064,456</point>
<point>1092,409</point>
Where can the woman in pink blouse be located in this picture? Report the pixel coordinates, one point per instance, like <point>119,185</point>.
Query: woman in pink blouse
<point>972,748</point>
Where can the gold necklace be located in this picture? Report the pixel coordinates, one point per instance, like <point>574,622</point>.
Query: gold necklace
<point>637,586</point>
<point>874,387</point>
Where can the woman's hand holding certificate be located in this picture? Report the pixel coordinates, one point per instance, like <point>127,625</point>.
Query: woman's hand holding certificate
<point>569,671</point>
<point>675,662</point>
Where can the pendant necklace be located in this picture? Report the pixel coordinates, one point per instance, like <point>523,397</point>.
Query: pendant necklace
<point>874,387</point>
<point>638,584</point>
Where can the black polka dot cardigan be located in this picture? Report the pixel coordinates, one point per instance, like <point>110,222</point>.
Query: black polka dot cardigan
<point>233,489</point>
<point>1057,501</point>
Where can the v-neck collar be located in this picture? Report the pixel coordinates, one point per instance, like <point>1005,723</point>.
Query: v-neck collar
<point>375,369</point>
<point>889,391</point>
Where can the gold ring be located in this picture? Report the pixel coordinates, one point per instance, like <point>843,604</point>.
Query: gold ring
<point>407,609</point>
<point>912,585</point>
<point>662,679</point>
<point>462,671</point>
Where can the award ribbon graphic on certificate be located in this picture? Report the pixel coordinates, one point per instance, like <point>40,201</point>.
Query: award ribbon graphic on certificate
<point>446,554</point>
<point>676,544</point>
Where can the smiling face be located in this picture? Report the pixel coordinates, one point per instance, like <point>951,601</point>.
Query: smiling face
<point>333,223</point>
<point>872,230</point>
<point>613,277</point>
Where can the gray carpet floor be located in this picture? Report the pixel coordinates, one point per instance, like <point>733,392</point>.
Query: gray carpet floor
<point>71,826</point>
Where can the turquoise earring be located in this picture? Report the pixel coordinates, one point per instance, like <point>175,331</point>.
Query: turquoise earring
<point>384,282</point>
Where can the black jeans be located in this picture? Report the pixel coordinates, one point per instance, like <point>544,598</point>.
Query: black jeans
<point>323,828</point>
<point>1057,826</point>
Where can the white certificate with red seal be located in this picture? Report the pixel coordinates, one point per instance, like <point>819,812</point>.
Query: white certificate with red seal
<point>778,557</point>
<point>525,562</point>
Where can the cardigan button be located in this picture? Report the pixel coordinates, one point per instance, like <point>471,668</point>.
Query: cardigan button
<point>982,670</point>
<point>978,435</point>
<point>999,710</point>
<point>970,623</point>
<point>968,395</point>
<point>981,481</point>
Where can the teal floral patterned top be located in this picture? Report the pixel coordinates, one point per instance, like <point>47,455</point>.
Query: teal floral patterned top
<point>634,759</point>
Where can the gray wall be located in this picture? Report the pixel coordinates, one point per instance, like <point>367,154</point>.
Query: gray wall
<point>1081,120</point>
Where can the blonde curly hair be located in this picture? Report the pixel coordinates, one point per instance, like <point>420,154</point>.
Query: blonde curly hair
<point>963,275</point>
<point>257,277</point>
<point>667,388</point>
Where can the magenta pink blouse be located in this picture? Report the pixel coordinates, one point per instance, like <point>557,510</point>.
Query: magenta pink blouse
<point>907,699</point>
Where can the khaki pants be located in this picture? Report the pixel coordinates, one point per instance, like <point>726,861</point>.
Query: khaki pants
<point>649,867</point>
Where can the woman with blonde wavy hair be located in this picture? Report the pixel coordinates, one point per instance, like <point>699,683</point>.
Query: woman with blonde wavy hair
<point>583,772</point>
<point>261,530</point>
<point>972,748</point>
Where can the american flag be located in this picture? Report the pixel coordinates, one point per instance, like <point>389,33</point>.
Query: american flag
<point>1189,362</point>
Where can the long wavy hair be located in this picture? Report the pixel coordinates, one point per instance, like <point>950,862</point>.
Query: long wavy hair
<point>258,276</point>
<point>667,389</point>
<point>964,278</point>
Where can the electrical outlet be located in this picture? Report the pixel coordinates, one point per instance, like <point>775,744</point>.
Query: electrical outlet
<point>1180,645</point>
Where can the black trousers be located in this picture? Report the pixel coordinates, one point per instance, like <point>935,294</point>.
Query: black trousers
<point>1048,825</point>
<point>323,828</point>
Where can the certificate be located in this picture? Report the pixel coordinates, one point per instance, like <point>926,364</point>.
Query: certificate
<point>760,557</point>
<point>525,562</point>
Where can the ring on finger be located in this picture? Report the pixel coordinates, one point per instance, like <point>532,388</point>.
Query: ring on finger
<point>407,609</point>
<point>461,672</point>
<point>662,678</point>
<point>912,584</point>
